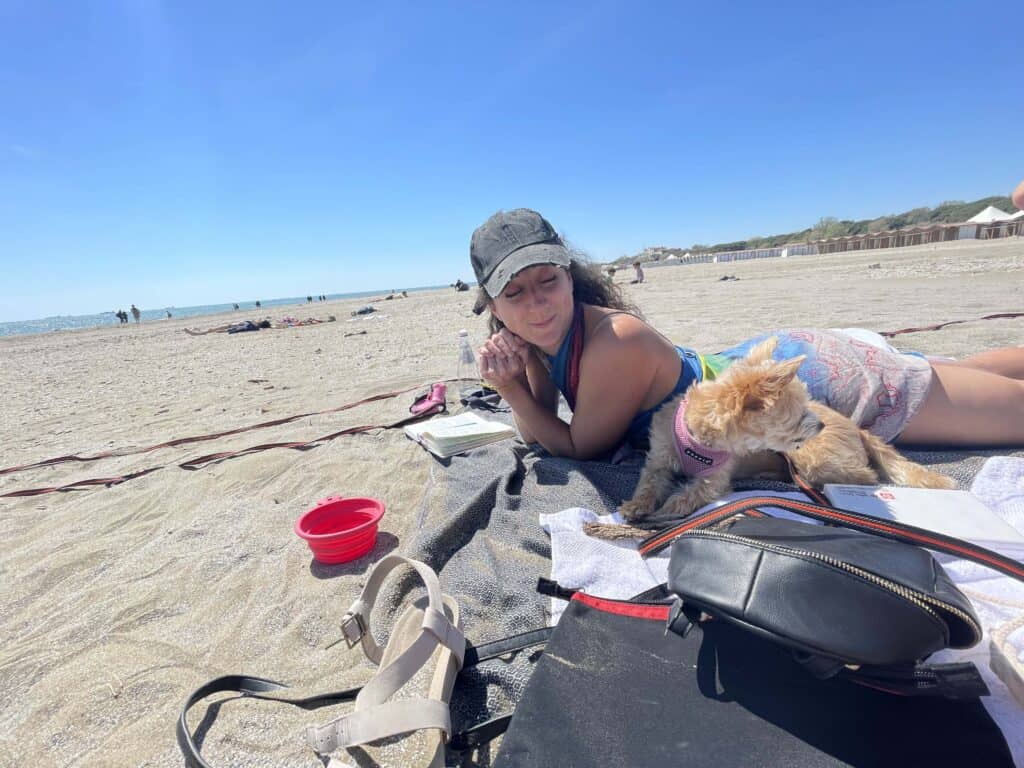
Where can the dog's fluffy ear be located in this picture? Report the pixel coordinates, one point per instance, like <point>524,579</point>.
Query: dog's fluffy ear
<point>786,370</point>
<point>763,351</point>
<point>764,392</point>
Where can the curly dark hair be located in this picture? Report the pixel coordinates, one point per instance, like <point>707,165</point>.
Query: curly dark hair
<point>589,286</point>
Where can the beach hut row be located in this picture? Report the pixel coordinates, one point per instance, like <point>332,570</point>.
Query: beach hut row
<point>989,224</point>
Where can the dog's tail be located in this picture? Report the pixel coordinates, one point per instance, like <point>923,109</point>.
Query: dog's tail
<point>894,468</point>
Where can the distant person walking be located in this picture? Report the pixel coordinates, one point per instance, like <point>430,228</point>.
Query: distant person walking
<point>136,313</point>
<point>258,304</point>
<point>168,314</point>
<point>236,306</point>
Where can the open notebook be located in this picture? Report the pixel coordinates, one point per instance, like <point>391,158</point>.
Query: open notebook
<point>449,435</point>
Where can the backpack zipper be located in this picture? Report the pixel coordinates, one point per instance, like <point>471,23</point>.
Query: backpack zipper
<point>921,600</point>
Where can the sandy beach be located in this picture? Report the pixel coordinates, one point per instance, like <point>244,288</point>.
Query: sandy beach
<point>117,602</point>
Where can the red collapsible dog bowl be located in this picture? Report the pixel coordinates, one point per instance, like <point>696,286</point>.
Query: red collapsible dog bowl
<point>340,529</point>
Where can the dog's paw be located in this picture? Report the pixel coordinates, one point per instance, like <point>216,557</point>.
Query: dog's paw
<point>636,509</point>
<point>677,507</point>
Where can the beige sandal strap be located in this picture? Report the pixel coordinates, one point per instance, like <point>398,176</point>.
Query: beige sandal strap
<point>389,679</point>
<point>355,625</point>
<point>447,634</point>
<point>379,722</point>
<point>374,717</point>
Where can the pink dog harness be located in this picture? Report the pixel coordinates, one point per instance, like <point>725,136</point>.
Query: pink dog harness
<point>697,460</point>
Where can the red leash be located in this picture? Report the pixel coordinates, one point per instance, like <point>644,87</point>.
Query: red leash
<point>214,458</point>
<point>81,485</point>
<point>211,458</point>
<point>940,326</point>
<point>888,529</point>
<point>201,438</point>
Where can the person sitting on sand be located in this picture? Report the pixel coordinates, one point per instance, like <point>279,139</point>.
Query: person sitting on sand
<point>558,326</point>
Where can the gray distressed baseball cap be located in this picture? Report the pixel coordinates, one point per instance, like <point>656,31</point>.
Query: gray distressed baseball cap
<point>511,241</point>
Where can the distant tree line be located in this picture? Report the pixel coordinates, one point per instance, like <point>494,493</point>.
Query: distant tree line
<point>829,226</point>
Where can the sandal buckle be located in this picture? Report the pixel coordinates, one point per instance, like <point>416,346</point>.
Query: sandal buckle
<point>352,629</point>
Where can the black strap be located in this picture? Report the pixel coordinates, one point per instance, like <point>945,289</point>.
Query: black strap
<point>477,654</point>
<point>479,734</point>
<point>659,593</point>
<point>253,687</point>
<point>554,589</point>
<point>261,688</point>
<point>888,529</point>
<point>484,398</point>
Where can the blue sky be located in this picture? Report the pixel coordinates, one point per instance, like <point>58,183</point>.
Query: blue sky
<point>193,152</point>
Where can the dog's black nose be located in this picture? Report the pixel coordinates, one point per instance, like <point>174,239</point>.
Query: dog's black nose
<point>819,426</point>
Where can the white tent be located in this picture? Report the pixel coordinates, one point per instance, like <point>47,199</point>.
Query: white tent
<point>989,215</point>
<point>1017,215</point>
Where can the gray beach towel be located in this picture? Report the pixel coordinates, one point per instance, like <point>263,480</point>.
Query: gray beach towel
<point>478,528</point>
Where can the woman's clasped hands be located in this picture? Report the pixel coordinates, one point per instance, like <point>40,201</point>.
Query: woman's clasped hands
<point>503,359</point>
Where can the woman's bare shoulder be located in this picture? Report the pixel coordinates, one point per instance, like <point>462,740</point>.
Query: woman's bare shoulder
<point>612,326</point>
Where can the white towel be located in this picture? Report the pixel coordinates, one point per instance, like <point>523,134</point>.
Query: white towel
<point>612,569</point>
<point>999,601</point>
<point>1000,484</point>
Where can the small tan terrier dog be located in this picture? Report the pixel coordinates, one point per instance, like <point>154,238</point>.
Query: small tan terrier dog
<point>736,426</point>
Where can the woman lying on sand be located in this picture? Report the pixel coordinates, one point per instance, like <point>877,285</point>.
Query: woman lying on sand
<point>558,326</point>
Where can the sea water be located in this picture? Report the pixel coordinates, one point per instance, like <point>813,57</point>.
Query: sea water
<point>246,311</point>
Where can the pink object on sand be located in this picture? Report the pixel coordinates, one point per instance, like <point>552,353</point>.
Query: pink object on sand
<point>431,402</point>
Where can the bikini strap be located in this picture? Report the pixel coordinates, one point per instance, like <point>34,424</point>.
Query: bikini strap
<point>575,355</point>
<point>576,350</point>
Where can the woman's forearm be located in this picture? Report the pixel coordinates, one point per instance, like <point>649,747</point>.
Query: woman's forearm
<point>538,383</point>
<point>538,424</point>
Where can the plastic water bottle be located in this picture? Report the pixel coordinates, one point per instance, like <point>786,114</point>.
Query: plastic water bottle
<point>467,370</point>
